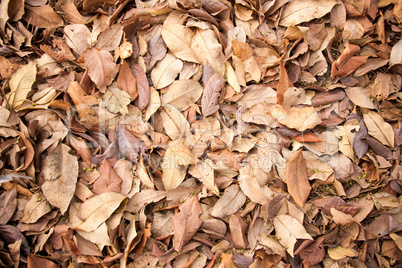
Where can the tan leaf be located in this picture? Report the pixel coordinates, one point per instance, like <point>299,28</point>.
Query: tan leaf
<point>43,16</point>
<point>77,37</point>
<point>131,234</point>
<point>110,39</point>
<point>378,128</point>
<point>143,174</point>
<point>97,210</point>
<point>258,95</point>
<point>108,181</point>
<point>209,50</point>
<point>250,186</point>
<point>100,67</point>
<point>182,94</point>
<point>339,252</point>
<point>21,84</point>
<point>71,13</point>
<point>95,4</point>
<point>187,222</point>
<point>173,173</point>
<point>357,96</point>
<point>35,208</point>
<point>166,71</point>
<point>211,94</point>
<point>205,173</point>
<point>60,171</point>
<point>4,14</point>
<point>238,228</point>
<point>182,153</point>
<point>174,123</point>
<point>116,100</point>
<point>305,10</point>
<point>298,118</point>
<point>230,202</point>
<point>288,229</point>
<point>352,30</point>
<point>296,178</point>
<point>178,39</point>
<point>397,239</point>
<point>232,78</point>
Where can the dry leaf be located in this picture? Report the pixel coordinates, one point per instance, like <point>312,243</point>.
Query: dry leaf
<point>60,171</point>
<point>379,129</point>
<point>288,229</point>
<point>205,173</point>
<point>100,67</point>
<point>42,16</point>
<point>187,222</point>
<point>296,178</point>
<point>229,203</point>
<point>77,37</point>
<point>297,118</point>
<point>182,94</point>
<point>166,71</point>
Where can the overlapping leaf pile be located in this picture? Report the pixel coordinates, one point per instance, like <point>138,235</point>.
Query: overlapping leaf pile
<point>201,133</point>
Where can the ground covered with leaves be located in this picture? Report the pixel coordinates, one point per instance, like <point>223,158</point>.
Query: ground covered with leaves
<point>200,133</point>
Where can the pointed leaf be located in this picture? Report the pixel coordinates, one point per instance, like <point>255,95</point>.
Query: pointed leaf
<point>21,84</point>
<point>100,66</point>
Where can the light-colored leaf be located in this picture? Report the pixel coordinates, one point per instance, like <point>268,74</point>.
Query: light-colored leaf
<point>339,252</point>
<point>230,202</point>
<point>154,103</point>
<point>43,16</point>
<point>396,54</point>
<point>288,229</point>
<point>60,171</point>
<point>166,71</point>
<point>210,97</point>
<point>205,173</point>
<point>35,208</point>
<point>116,100</point>
<point>173,173</point>
<point>258,95</point>
<point>131,234</point>
<point>77,37</point>
<point>298,118</point>
<point>250,186</point>
<point>143,174</point>
<point>300,11</point>
<point>174,123</point>
<point>21,84</point>
<point>110,39</point>
<point>178,39</point>
<point>182,94</point>
<point>209,50</point>
<point>100,66</point>
<point>378,128</point>
<point>357,96</point>
<point>97,210</point>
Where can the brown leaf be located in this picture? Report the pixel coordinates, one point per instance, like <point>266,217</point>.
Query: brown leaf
<point>42,17</point>
<point>60,51</point>
<point>296,178</point>
<point>126,81</point>
<point>142,87</point>
<point>9,204</point>
<point>187,222</point>
<point>71,13</point>
<point>336,202</point>
<point>108,181</point>
<point>92,5</point>
<point>100,67</point>
<point>284,84</point>
<point>298,118</point>
<point>238,228</point>
<point>110,39</point>
<point>213,86</point>
<point>36,262</point>
<point>129,145</point>
<point>182,94</point>
<point>229,203</point>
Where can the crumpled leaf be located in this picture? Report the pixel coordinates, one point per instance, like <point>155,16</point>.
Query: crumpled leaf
<point>289,230</point>
<point>205,173</point>
<point>60,171</point>
<point>187,222</point>
<point>116,100</point>
<point>252,188</point>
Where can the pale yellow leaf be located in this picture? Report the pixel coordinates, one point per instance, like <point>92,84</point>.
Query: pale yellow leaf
<point>21,84</point>
<point>178,39</point>
<point>173,173</point>
<point>174,123</point>
<point>154,103</point>
<point>339,252</point>
<point>378,128</point>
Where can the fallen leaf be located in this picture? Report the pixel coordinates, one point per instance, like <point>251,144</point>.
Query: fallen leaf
<point>252,188</point>
<point>378,128</point>
<point>205,173</point>
<point>21,84</point>
<point>9,204</point>
<point>97,210</point>
<point>35,261</point>
<point>42,16</point>
<point>174,123</point>
<point>166,71</point>
<point>126,81</point>
<point>117,100</point>
<point>108,181</point>
<point>100,67</point>
<point>338,253</point>
<point>173,173</point>
<point>229,203</point>
<point>110,39</point>
<point>178,39</point>
<point>296,178</point>
<point>60,171</point>
<point>304,11</point>
<point>238,228</point>
<point>77,37</point>
<point>297,118</point>
<point>210,96</point>
<point>182,94</point>
<point>35,208</point>
<point>289,230</point>
<point>187,222</point>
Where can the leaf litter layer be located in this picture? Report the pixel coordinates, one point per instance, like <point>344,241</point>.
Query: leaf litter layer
<point>200,133</point>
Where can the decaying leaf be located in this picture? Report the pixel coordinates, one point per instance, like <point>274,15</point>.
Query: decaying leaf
<point>100,67</point>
